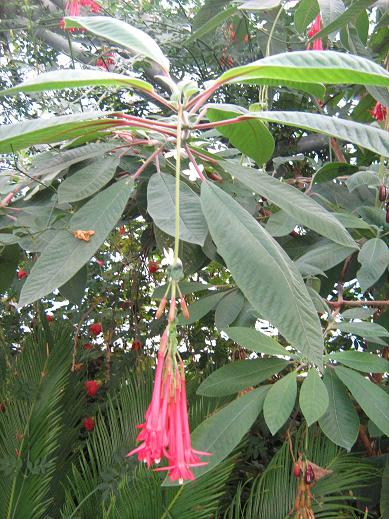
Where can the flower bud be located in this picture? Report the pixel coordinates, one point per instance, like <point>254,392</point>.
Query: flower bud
<point>184,308</point>
<point>309,475</point>
<point>161,308</point>
<point>382,193</point>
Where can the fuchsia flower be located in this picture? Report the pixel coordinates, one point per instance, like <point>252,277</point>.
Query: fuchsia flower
<point>72,8</point>
<point>314,29</point>
<point>379,112</point>
<point>107,61</point>
<point>165,431</point>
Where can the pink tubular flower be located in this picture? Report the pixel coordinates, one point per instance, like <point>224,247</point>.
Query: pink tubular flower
<point>314,29</point>
<point>379,112</point>
<point>106,62</point>
<point>165,431</point>
<point>72,8</point>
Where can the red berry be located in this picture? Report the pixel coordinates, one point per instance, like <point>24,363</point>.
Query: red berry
<point>91,387</point>
<point>22,274</point>
<point>49,318</point>
<point>88,423</point>
<point>136,345</point>
<point>382,193</point>
<point>297,470</point>
<point>88,346</point>
<point>153,266</point>
<point>95,328</point>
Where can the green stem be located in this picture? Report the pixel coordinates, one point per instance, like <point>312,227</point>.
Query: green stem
<point>178,172</point>
<point>172,502</point>
<point>272,32</point>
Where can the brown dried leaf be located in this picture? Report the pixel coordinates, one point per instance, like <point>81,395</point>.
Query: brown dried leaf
<point>83,235</point>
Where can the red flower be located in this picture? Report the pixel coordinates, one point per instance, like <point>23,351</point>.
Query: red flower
<point>314,29</point>
<point>246,38</point>
<point>91,387</point>
<point>136,345</point>
<point>88,423</point>
<point>165,431</point>
<point>49,318</point>
<point>379,112</point>
<point>72,8</point>
<point>88,346</point>
<point>153,266</point>
<point>100,263</point>
<point>106,62</point>
<point>122,230</point>
<point>22,274</point>
<point>95,328</point>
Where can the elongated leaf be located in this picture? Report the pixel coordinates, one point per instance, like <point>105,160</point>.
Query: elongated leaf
<point>17,136</point>
<point>88,180</point>
<point>259,5</point>
<point>249,137</point>
<point>328,67</point>
<point>368,137</point>
<point>74,289</point>
<point>122,34</point>
<point>239,375</point>
<point>322,256</point>
<point>299,206</point>
<point>212,24</point>
<point>276,291</point>
<point>221,432</point>
<point>228,309</point>
<point>330,10</point>
<point>367,330</point>
<point>161,205</point>
<point>313,397</point>
<point>304,14</point>
<point>279,402</point>
<point>374,260</point>
<point>59,79</point>
<point>360,312</point>
<point>361,361</point>
<point>362,178</point>
<point>255,341</point>
<point>66,254</point>
<point>340,423</point>
<point>373,400</point>
<point>332,170</point>
<point>61,160</point>
<point>384,501</point>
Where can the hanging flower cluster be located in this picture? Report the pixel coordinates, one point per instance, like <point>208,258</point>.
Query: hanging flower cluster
<point>165,431</point>
<point>314,29</point>
<point>379,112</point>
<point>106,62</point>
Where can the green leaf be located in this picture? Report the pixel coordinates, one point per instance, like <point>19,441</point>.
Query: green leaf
<point>361,361</point>
<point>280,224</point>
<point>259,5</point>
<point>304,14</point>
<point>368,137</point>
<point>250,137</point>
<point>313,397</point>
<point>122,34</point>
<point>321,257</point>
<point>347,16</point>
<point>330,10</point>
<point>201,307</point>
<point>238,375</point>
<point>9,258</point>
<point>88,180</point>
<point>332,170</point>
<point>299,207</point>
<point>351,221</point>
<point>279,402</point>
<point>228,309</point>
<point>373,400</point>
<point>263,271</point>
<point>221,432</point>
<point>340,423</point>
<point>60,79</point>
<point>384,501</point>
<point>74,289</point>
<point>161,205</point>
<point>8,239</point>
<point>367,330</point>
<point>255,341</point>
<point>328,67</point>
<point>58,161</point>
<point>17,136</point>
<point>359,312</point>
<point>362,178</point>
<point>65,255</point>
<point>374,260</point>
<point>211,24</point>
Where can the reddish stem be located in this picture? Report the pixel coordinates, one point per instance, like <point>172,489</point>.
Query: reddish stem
<point>200,99</point>
<point>203,156</point>
<point>196,166</point>
<point>343,302</point>
<point>147,162</point>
